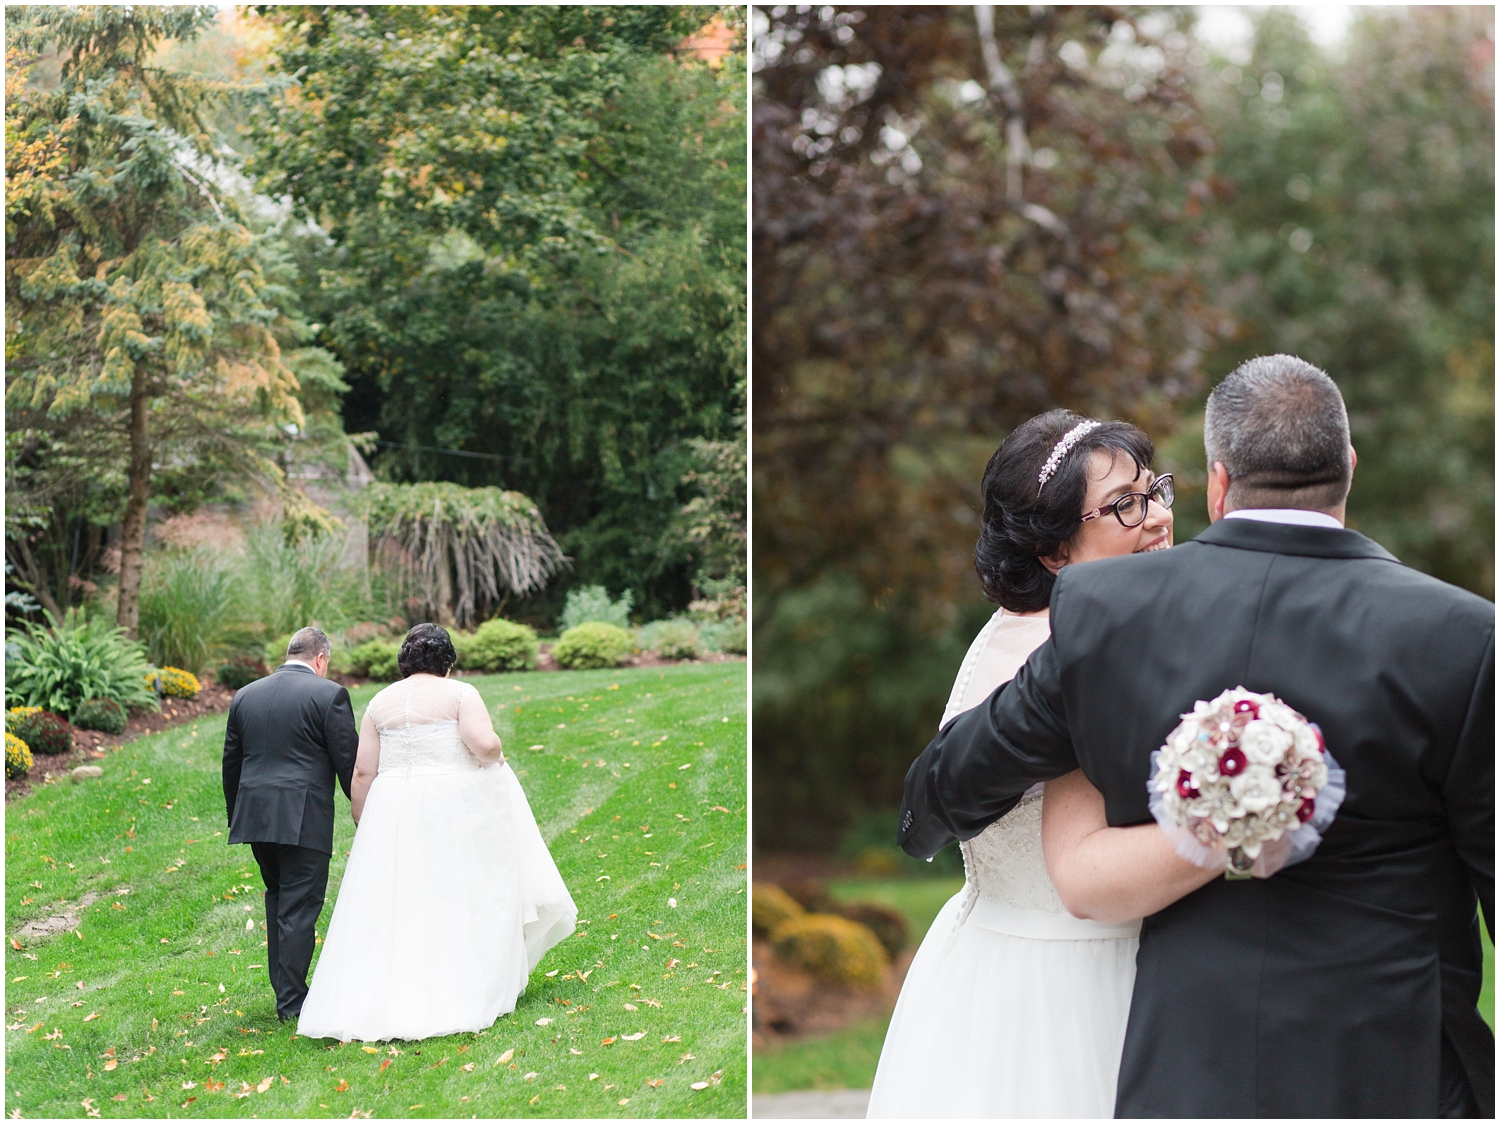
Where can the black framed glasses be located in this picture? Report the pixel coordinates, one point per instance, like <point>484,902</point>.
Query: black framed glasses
<point>1130,509</point>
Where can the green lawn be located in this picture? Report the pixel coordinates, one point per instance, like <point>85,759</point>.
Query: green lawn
<point>159,1006</point>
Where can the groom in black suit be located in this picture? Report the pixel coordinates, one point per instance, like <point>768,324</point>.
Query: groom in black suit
<point>289,735</point>
<point>1346,985</point>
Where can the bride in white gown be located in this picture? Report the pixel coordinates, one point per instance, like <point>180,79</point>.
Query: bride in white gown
<point>1013,1006</point>
<point>450,896</point>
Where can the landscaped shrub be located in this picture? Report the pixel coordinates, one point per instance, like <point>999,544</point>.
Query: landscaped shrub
<point>592,644</point>
<point>237,672</point>
<point>675,639</point>
<point>84,657</point>
<point>725,636</point>
<point>832,947</point>
<point>274,652</point>
<point>42,730</point>
<point>175,683</point>
<point>592,603</point>
<point>497,645</point>
<point>188,599</point>
<point>889,925</point>
<point>812,895</point>
<point>18,760</point>
<point>770,905</point>
<point>375,659</point>
<point>104,715</point>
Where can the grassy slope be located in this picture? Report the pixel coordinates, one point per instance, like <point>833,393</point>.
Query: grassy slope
<point>846,1059</point>
<point>165,1010</point>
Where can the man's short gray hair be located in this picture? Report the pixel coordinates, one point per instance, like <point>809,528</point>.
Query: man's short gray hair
<point>1278,426</point>
<point>308,644</point>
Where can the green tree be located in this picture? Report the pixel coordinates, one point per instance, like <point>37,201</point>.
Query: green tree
<point>144,319</point>
<point>962,218</point>
<point>1361,235</point>
<point>530,249</point>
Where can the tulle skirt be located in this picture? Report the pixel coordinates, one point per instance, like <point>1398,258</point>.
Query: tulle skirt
<point>995,1024</point>
<point>449,900</point>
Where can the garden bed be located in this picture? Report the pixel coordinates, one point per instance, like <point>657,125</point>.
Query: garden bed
<point>91,745</point>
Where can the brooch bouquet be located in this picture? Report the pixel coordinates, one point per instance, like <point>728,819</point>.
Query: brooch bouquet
<point>1245,784</point>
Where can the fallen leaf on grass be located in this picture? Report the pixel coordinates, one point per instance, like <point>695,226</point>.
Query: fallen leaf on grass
<point>91,1018</point>
<point>544,1022</point>
<point>505,1057</point>
<point>88,1106</point>
<point>265,1083</point>
<point>608,1042</point>
<point>685,1058</point>
<point>672,1038</point>
<point>576,1053</point>
<point>535,1099</point>
<point>652,1002</point>
<point>468,1068</point>
<point>655,1081</point>
<point>633,1037</point>
<point>552,973</point>
<point>119,1097</point>
<point>190,1084</point>
<point>623,1100</point>
<point>216,1058</point>
<point>212,1086</point>
<point>698,1085</point>
<point>384,1064</point>
<point>189,1101</point>
<point>370,1049</point>
<point>342,1086</point>
<point>718,808</point>
<point>530,1075</point>
<point>111,1064</point>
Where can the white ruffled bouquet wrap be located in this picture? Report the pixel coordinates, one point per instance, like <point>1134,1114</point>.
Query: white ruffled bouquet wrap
<point>1244,784</point>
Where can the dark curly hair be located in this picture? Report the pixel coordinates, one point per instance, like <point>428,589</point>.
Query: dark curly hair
<point>1022,525</point>
<point>428,648</point>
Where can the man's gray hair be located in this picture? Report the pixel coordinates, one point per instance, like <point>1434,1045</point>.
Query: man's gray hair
<point>308,644</point>
<point>1278,426</point>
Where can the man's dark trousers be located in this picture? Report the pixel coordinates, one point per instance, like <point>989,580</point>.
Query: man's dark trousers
<point>296,881</point>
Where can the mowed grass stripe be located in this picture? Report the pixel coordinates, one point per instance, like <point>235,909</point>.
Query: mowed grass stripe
<point>179,1028</point>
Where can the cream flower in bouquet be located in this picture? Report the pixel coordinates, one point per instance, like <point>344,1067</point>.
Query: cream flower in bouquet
<point>1245,784</point>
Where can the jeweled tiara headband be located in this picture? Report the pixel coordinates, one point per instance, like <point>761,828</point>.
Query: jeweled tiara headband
<point>1060,450</point>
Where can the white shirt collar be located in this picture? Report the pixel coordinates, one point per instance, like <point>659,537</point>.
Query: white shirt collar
<point>305,664</point>
<point>1295,516</point>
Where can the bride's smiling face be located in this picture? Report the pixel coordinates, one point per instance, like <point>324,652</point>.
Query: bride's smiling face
<point>1111,477</point>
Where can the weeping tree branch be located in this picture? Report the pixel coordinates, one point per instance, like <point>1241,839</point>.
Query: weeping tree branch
<point>459,550</point>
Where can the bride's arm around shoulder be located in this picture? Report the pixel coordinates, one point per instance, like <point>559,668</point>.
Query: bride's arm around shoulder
<point>1105,873</point>
<point>475,727</point>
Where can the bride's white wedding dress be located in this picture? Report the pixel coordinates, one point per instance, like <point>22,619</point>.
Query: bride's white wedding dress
<point>449,898</point>
<point>1012,1006</point>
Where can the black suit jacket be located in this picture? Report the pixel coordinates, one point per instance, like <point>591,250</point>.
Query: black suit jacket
<point>289,735</point>
<point>1327,989</point>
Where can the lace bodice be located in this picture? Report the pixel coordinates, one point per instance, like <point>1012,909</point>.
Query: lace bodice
<point>1004,862</point>
<point>431,748</point>
<point>419,723</point>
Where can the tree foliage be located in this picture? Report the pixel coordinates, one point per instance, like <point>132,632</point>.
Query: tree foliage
<point>145,321</point>
<point>530,248</point>
<point>1361,236</point>
<point>944,245</point>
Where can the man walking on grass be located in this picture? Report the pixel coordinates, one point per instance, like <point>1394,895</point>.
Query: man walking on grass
<point>289,735</point>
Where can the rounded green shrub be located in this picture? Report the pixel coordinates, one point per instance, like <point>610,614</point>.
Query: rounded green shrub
<point>43,731</point>
<point>770,905</point>
<point>834,948</point>
<point>237,672</point>
<point>18,759</point>
<point>889,925</point>
<point>274,652</point>
<point>592,644</point>
<point>675,639</point>
<point>104,715</point>
<point>725,636</point>
<point>83,656</point>
<point>497,645</point>
<point>376,659</point>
